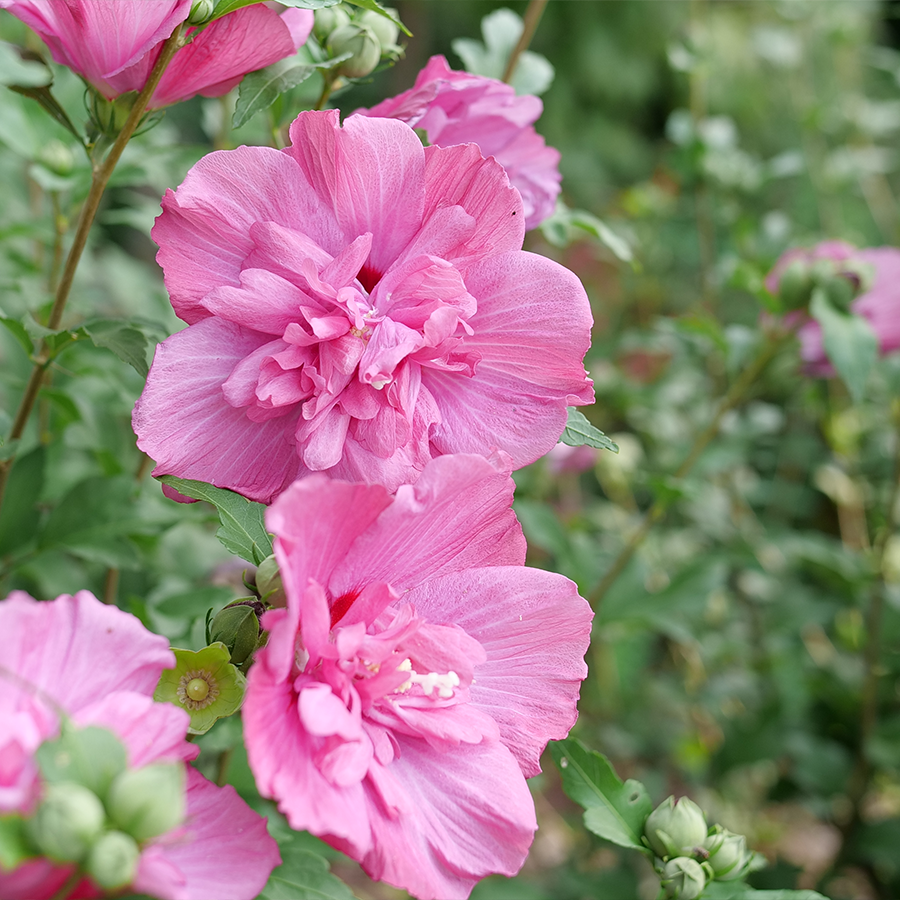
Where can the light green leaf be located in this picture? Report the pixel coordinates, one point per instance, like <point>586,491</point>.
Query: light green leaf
<point>14,849</point>
<point>243,530</point>
<point>579,431</point>
<point>23,72</point>
<point>223,7</point>
<point>376,7</point>
<point>850,343</point>
<point>259,90</point>
<point>564,226</point>
<point>613,810</point>
<point>723,890</point>
<point>304,875</point>
<point>126,341</point>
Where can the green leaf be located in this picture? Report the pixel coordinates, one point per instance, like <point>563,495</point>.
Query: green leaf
<point>14,849</point>
<point>850,343</point>
<point>613,810</point>
<point>223,7</point>
<point>18,331</point>
<point>259,90</point>
<point>563,226</point>
<point>579,431</point>
<point>304,875</point>
<point>375,7</point>
<point>723,890</point>
<point>190,604</point>
<point>126,341</point>
<point>90,756</point>
<point>20,515</point>
<point>22,72</point>
<point>243,530</point>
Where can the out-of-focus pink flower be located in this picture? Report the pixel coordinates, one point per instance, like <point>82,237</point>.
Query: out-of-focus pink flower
<point>113,44</point>
<point>358,304</point>
<point>563,458</point>
<point>100,666</point>
<point>879,303</point>
<point>416,674</point>
<point>460,108</point>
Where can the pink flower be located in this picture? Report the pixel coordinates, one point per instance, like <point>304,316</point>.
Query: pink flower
<point>357,304</point>
<point>100,666</point>
<point>416,675</point>
<point>879,303</point>
<point>459,108</point>
<point>563,459</point>
<point>114,45</point>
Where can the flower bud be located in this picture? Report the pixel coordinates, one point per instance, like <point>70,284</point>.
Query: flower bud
<point>56,157</point>
<point>109,116</point>
<point>237,627</point>
<point>268,582</point>
<point>113,860</point>
<point>674,828</point>
<point>385,31</point>
<point>683,878</point>
<point>795,286</point>
<point>67,822</point>
<point>362,43</point>
<point>148,802</point>
<point>201,12</point>
<point>327,20</point>
<point>840,291</point>
<point>728,854</point>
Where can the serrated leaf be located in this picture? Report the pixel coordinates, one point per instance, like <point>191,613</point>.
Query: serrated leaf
<point>18,331</point>
<point>243,530</point>
<point>126,341</point>
<point>259,90</point>
<point>304,875</point>
<point>613,810</point>
<point>229,6</point>
<point>850,343</point>
<point>579,431</point>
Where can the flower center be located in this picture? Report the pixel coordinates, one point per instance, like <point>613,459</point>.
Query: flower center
<point>197,689</point>
<point>430,682</point>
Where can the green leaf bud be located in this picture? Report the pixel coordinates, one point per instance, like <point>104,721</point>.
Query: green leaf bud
<point>729,857</point>
<point>113,860</point>
<point>148,802</point>
<point>385,31</point>
<point>674,828</point>
<point>237,627</point>
<point>683,878</point>
<point>68,820</point>
<point>795,286</point>
<point>362,43</point>
<point>328,20</point>
<point>268,582</point>
<point>201,12</point>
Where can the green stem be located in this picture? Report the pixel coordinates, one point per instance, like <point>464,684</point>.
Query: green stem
<point>99,179</point>
<point>68,886</point>
<point>328,81</point>
<point>658,509</point>
<point>529,27</point>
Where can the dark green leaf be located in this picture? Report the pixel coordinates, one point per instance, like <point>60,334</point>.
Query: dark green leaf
<point>259,90</point>
<point>579,431</point>
<point>613,810</point>
<point>303,875</point>
<point>50,104</point>
<point>20,514</point>
<point>126,341</point>
<point>850,343</point>
<point>14,849</point>
<point>243,530</point>
<point>18,331</point>
<point>223,7</point>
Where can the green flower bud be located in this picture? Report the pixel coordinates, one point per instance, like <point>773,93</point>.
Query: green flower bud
<point>268,582</point>
<point>109,116</point>
<point>385,31</point>
<point>674,828</point>
<point>683,878</point>
<point>113,860</point>
<point>840,290</point>
<point>362,43</point>
<point>795,286</point>
<point>56,157</point>
<point>148,802</point>
<point>728,854</point>
<point>68,820</point>
<point>237,627</point>
<point>327,20</point>
<point>201,12</point>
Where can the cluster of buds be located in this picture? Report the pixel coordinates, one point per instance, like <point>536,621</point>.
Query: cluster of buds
<point>94,812</point>
<point>689,854</point>
<point>840,280</point>
<point>368,37</point>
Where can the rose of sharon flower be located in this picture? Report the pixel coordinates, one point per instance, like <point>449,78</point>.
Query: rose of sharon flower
<point>879,303</point>
<point>100,665</point>
<point>416,675</point>
<point>113,44</point>
<point>357,304</point>
<point>460,108</point>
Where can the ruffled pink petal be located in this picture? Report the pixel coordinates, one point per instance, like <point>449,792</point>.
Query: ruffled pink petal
<point>457,515</point>
<point>535,630</point>
<point>532,329</point>
<point>222,853</point>
<point>77,648</point>
<point>444,821</point>
<point>183,420</point>
<point>204,232</point>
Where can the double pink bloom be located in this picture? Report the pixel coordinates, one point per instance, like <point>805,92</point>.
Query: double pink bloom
<point>420,668</point>
<point>357,305</point>
<point>113,44</point>
<point>100,666</point>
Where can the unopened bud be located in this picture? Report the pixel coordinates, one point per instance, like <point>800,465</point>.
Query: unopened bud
<point>385,31</point>
<point>795,286</point>
<point>201,12</point>
<point>109,116</point>
<point>113,860</point>
<point>728,854</point>
<point>67,822</point>
<point>148,802</point>
<point>359,41</point>
<point>56,157</point>
<point>683,878</point>
<point>237,627</point>
<point>840,290</point>
<point>674,828</point>
<point>327,20</point>
<point>268,582</point>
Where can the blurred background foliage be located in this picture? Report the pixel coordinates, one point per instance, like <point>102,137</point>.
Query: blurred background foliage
<point>749,654</point>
